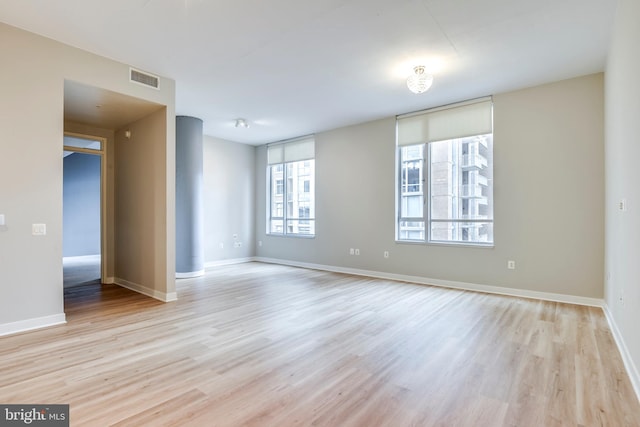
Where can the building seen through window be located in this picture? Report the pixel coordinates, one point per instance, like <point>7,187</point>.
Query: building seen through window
<point>292,189</point>
<point>445,187</point>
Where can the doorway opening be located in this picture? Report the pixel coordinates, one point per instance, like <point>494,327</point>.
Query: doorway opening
<point>83,210</point>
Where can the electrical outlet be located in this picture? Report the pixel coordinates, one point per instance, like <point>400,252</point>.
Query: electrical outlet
<point>259,242</point>
<point>622,205</point>
<point>386,254</point>
<point>357,251</point>
<point>511,265</point>
<point>351,251</point>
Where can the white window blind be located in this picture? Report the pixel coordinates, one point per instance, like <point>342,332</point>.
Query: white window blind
<point>450,122</point>
<point>291,151</point>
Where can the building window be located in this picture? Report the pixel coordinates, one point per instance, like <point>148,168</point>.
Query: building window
<point>445,175</point>
<point>291,201</point>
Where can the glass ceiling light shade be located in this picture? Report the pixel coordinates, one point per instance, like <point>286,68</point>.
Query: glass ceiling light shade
<point>419,81</point>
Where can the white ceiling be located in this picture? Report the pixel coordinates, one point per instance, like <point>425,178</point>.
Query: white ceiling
<point>295,67</point>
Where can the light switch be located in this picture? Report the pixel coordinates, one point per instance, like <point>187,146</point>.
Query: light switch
<point>39,229</point>
<point>1,220</point>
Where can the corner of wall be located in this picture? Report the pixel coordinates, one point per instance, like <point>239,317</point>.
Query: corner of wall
<point>632,369</point>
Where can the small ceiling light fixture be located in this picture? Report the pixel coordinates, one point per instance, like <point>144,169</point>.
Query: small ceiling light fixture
<point>242,123</point>
<point>419,81</point>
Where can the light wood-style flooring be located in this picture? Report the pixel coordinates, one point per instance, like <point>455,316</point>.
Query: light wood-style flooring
<point>266,345</point>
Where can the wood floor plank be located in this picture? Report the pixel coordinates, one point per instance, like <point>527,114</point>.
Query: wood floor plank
<point>266,345</point>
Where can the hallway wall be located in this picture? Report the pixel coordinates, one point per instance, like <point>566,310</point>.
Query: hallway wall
<point>31,170</point>
<point>81,205</point>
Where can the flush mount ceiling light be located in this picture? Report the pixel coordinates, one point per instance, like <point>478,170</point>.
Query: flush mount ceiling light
<point>419,81</point>
<point>242,123</point>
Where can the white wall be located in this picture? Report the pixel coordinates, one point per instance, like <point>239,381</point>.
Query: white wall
<point>549,192</point>
<point>549,187</point>
<point>229,200</point>
<point>622,112</point>
<point>31,133</point>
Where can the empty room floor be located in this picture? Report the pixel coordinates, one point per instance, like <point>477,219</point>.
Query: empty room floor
<point>266,345</point>
<point>81,270</point>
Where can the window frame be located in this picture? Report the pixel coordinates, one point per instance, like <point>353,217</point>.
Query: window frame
<point>287,154</point>
<point>427,220</point>
<point>400,191</point>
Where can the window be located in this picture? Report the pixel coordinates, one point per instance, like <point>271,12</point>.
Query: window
<point>445,175</point>
<point>291,201</point>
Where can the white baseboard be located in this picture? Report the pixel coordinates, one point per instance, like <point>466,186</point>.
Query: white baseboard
<point>212,264</point>
<point>30,324</point>
<point>190,274</point>
<point>632,369</point>
<point>546,296</point>
<point>161,296</point>
<point>82,258</point>
<point>109,280</point>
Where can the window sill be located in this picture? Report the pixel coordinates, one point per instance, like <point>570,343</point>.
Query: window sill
<point>295,236</point>
<point>450,244</point>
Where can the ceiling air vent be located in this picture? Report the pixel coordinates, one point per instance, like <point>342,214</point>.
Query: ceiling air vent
<point>143,78</point>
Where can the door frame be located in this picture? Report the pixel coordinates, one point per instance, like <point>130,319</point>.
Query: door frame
<point>102,152</point>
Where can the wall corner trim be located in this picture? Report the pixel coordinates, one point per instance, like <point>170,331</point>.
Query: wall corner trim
<point>632,369</point>
<point>219,263</point>
<point>31,324</point>
<point>160,296</point>
<point>190,274</point>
